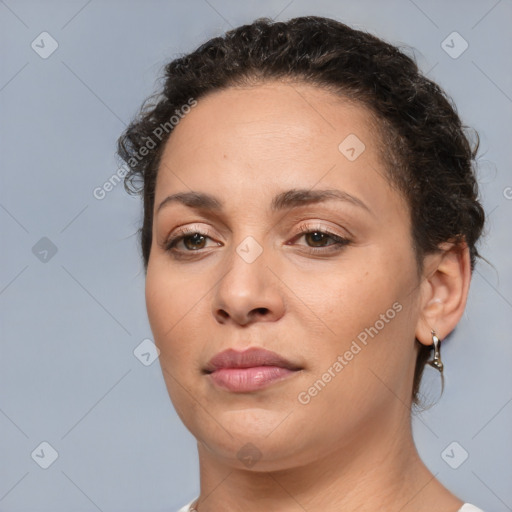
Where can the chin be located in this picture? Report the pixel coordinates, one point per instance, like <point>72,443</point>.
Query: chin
<point>257,455</point>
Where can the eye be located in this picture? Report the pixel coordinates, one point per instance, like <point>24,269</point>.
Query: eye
<point>192,240</point>
<point>318,237</point>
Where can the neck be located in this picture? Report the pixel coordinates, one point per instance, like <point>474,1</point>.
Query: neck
<point>379,470</point>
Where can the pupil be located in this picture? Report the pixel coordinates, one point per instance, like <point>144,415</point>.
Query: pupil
<point>316,236</point>
<point>196,238</point>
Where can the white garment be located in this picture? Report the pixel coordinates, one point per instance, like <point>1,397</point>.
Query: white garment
<point>467,507</point>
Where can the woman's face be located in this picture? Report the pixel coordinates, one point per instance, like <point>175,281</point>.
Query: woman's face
<point>328,282</point>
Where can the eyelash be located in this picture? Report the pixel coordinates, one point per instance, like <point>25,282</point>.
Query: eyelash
<point>339,241</point>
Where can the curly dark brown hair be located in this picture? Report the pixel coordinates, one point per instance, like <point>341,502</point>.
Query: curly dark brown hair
<point>424,145</point>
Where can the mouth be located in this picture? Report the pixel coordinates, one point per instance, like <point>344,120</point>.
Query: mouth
<point>250,370</point>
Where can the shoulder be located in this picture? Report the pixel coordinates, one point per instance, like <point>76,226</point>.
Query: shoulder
<point>467,507</point>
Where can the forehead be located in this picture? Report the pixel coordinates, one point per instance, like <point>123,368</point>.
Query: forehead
<point>274,136</point>
<point>274,115</point>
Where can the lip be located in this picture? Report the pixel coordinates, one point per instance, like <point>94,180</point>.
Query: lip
<point>250,370</point>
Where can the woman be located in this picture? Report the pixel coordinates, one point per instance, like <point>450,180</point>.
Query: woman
<point>309,231</point>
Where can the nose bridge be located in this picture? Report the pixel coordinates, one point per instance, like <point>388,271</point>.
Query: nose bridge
<point>247,287</point>
<point>245,270</point>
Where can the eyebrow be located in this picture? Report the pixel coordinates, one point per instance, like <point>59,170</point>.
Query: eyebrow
<point>289,199</point>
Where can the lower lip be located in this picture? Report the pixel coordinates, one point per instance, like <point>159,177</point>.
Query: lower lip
<point>249,379</point>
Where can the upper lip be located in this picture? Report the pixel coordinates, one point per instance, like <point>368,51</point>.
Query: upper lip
<point>249,358</point>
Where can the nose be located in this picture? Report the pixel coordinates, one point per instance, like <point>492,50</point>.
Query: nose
<point>247,293</point>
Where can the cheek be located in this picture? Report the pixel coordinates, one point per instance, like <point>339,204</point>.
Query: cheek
<point>168,302</point>
<point>168,312</point>
<point>368,314</point>
<point>179,311</point>
<point>366,371</point>
<point>160,302</point>
<point>170,295</point>
<point>349,297</point>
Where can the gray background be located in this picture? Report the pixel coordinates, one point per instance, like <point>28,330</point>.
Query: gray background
<point>71,320</point>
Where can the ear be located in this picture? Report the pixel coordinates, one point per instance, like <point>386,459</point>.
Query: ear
<point>444,291</point>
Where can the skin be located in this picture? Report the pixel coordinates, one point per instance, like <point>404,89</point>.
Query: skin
<point>351,447</point>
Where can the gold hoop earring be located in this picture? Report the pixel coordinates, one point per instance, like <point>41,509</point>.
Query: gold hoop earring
<point>436,361</point>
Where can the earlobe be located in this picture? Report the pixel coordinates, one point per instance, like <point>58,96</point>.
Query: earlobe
<point>445,290</point>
